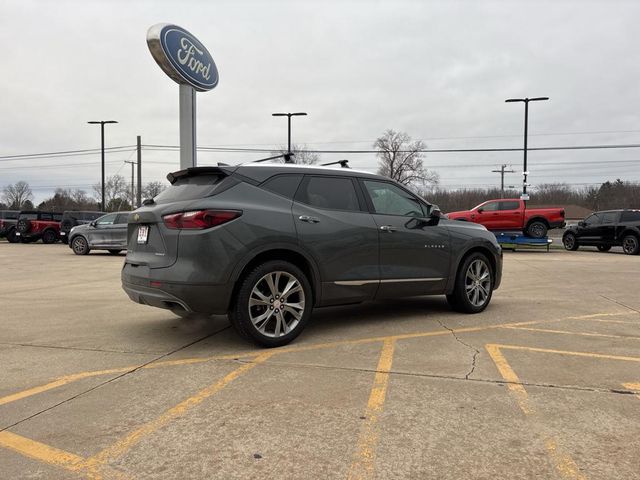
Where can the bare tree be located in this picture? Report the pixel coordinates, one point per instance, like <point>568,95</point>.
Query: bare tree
<point>67,199</point>
<point>301,154</point>
<point>152,189</point>
<point>401,158</point>
<point>116,192</point>
<point>18,196</point>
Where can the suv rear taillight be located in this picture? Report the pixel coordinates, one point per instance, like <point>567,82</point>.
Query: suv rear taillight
<point>199,219</point>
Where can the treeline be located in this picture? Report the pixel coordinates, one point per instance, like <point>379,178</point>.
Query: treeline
<point>609,195</point>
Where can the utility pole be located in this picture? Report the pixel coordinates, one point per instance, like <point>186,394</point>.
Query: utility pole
<point>133,195</point>
<point>502,171</point>
<point>139,147</point>
<point>289,115</point>
<point>102,123</point>
<point>526,101</point>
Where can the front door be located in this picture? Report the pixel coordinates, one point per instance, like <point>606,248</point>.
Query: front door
<point>589,233</point>
<point>488,215</point>
<point>414,255</point>
<point>100,234</point>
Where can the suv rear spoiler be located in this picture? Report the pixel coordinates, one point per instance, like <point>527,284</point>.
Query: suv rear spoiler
<point>193,171</point>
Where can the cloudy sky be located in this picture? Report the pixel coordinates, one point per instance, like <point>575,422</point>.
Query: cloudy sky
<point>439,71</point>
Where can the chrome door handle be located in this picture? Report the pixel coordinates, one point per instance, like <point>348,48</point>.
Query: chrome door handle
<point>308,219</point>
<point>388,228</point>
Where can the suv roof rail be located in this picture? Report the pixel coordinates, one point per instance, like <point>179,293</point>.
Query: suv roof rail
<point>343,164</point>
<point>286,156</point>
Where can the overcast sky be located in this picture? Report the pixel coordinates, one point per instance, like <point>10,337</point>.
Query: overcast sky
<point>439,71</point>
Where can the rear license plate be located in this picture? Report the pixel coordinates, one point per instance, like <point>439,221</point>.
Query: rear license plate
<point>143,233</point>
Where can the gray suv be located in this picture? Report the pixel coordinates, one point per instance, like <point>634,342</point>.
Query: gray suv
<point>267,243</point>
<point>108,232</point>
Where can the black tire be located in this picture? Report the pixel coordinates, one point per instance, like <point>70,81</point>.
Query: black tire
<point>79,245</point>
<point>23,225</point>
<point>604,248</point>
<point>464,299</point>
<point>12,237</point>
<point>631,244</point>
<point>241,312</point>
<point>114,252</point>
<point>49,236</point>
<point>570,242</point>
<point>537,229</point>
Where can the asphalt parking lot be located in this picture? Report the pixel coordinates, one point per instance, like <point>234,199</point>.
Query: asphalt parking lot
<point>544,384</point>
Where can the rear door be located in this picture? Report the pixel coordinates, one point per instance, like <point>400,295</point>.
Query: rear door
<point>414,257</point>
<point>335,228</point>
<point>510,217</point>
<point>119,230</point>
<point>607,230</point>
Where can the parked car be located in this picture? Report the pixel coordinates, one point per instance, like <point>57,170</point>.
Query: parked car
<point>611,228</point>
<point>35,225</point>
<point>108,232</point>
<point>8,221</point>
<point>512,214</point>
<point>267,243</point>
<point>72,218</point>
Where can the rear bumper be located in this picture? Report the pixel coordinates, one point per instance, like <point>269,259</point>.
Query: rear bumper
<point>209,299</point>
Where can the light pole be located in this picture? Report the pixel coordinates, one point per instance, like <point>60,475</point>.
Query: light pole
<point>102,123</point>
<point>526,122</point>
<point>289,115</point>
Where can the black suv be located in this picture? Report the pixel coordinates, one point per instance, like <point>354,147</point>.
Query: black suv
<point>71,219</point>
<point>606,229</point>
<point>267,243</point>
<point>8,221</point>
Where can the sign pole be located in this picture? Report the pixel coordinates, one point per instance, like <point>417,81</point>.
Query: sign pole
<point>187,127</point>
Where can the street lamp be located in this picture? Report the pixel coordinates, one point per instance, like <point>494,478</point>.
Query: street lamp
<point>102,123</point>
<point>289,115</point>
<point>526,122</point>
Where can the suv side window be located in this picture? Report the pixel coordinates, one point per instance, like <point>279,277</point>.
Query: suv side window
<point>334,193</point>
<point>389,199</point>
<point>592,220</point>
<point>121,218</point>
<point>509,205</point>
<point>45,217</point>
<point>609,217</point>
<point>107,219</point>
<point>285,185</point>
<point>630,216</point>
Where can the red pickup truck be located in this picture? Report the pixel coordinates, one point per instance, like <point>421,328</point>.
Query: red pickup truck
<point>512,214</point>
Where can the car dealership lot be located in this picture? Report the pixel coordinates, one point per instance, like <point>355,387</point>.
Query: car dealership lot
<point>544,384</point>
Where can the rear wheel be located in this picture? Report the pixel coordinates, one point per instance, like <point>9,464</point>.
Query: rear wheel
<point>570,242</point>
<point>536,229</point>
<point>631,244</point>
<point>272,304</point>
<point>474,285</point>
<point>49,236</point>
<point>80,246</point>
<point>114,252</point>
<point>604,248</point>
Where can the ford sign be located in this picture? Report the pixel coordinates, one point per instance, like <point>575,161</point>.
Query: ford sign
<point>182,56</point>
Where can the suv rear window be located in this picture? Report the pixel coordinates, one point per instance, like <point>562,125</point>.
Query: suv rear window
<point>190,188</point>
<point>630,216</point>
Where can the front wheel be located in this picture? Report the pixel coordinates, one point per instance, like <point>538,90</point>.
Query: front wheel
<point>474,285</point>
<point>79,245</point>
<point>272,304</point>
<point>630,244</point>
<point>570,242</point>
<point>604,248</point>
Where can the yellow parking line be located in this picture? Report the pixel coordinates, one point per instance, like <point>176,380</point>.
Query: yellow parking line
<point>123,445</point>
<point>634,387</point>
<point>568,332</point>
<point>565,465</point>
<point>566,352</point>
<point>363,463</point>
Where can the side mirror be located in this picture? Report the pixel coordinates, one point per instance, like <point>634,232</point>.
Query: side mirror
<point>480,210</point>
<point>582,224</point>
<point>93,223</point>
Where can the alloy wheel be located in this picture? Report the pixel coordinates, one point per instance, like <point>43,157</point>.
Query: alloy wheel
<point>629,244</point>
<point>478,283</point>
<point>276,304</point>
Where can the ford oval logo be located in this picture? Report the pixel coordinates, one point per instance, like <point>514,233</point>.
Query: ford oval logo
<point>182,56</point>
